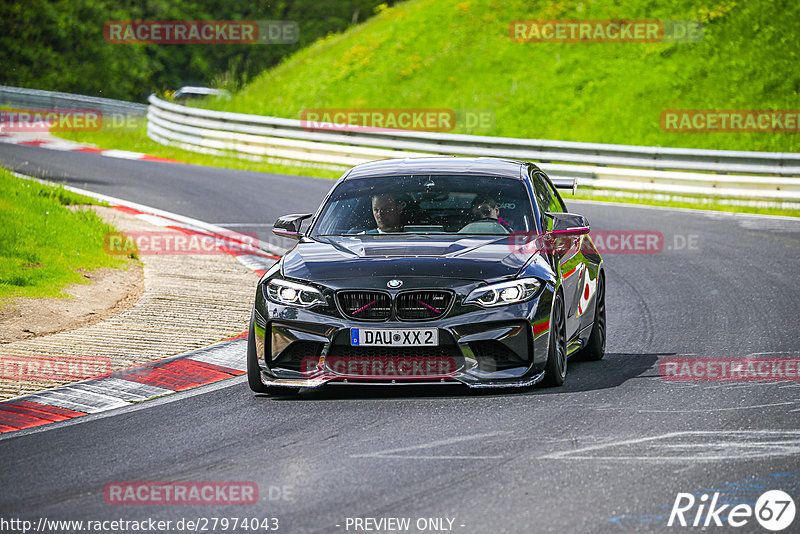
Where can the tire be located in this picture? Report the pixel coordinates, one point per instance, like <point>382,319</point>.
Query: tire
<point>253,370</point>
<point>555,370</point>
<point>595,348</point>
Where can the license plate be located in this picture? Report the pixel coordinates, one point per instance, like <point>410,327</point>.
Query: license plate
<point>391,337</point>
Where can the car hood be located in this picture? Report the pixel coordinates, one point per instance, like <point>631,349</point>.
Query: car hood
<point>465,258</point>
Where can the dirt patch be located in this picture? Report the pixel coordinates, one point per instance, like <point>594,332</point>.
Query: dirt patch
<point>109,291</point>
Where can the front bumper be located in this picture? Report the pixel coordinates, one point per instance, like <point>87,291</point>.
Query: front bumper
<point>480,348</point>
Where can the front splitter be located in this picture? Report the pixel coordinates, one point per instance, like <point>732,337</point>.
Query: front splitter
<point>466,380</point>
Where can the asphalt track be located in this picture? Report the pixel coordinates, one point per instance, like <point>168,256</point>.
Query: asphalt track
<point>608,452</point>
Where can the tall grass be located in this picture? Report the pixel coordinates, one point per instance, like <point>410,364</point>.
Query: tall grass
<point>42,242</point>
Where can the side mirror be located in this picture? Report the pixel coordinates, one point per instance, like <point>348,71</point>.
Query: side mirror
<point>568,225</point>
<point>289,225</point>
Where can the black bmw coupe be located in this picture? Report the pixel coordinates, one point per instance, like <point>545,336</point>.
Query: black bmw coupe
<point>430,271</point>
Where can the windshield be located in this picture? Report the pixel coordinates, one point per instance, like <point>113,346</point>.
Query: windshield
<point>427,204</point>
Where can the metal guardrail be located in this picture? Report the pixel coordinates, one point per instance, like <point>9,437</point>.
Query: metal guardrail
<point>604,166</point>
<point>728,161</point>
<point>640,168</point>
<point>38,99</point>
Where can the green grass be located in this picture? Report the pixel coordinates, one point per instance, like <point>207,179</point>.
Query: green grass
<point>43,243</point>
<point>457,54</point>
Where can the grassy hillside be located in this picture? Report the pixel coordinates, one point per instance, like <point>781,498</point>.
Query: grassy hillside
<point>457,54</point>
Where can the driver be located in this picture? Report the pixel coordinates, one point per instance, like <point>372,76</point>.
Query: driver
<point>486,207</point>
<point>388,212</point>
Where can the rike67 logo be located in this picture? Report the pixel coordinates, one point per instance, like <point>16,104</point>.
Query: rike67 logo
<point>774,510</point>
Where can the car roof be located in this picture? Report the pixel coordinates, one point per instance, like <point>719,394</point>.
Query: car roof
<point>439,165</point>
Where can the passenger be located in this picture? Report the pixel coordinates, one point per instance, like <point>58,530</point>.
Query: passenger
<point>486,207</point>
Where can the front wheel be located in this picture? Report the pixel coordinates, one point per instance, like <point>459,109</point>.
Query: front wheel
<point>253,370</point>
<point>555,370</point>
<point>595,348</point>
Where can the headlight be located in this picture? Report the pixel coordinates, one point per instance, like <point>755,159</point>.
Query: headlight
<point>294,294</point>
<point>504,293</point>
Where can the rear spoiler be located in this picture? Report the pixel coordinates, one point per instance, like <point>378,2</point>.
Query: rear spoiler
<point>565,183</point>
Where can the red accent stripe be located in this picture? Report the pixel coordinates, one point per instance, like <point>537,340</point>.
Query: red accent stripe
<point>232,238</point>
<point>147,157</point>
<point>235,253</point>
<point>243,335</point>
<point>45,408</point>
<point>18,414</point>
<point>19,421</point>
<point>541,327</point>
<point>130,211</point>
<point>364,307</point>
<point>230,252</point>
<point>32,413</point>
<point>185,230</point>
<point>219,368</point>
<point>569,273</point>
<point>176,375</point>
<point>429,307</point>
<point>88,150</point>
<point>37,142</point>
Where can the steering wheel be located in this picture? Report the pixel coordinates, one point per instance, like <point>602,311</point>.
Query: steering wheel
<point>485,220</point>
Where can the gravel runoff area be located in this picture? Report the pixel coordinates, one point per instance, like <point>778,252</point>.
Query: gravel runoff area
<point>189,301</point>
